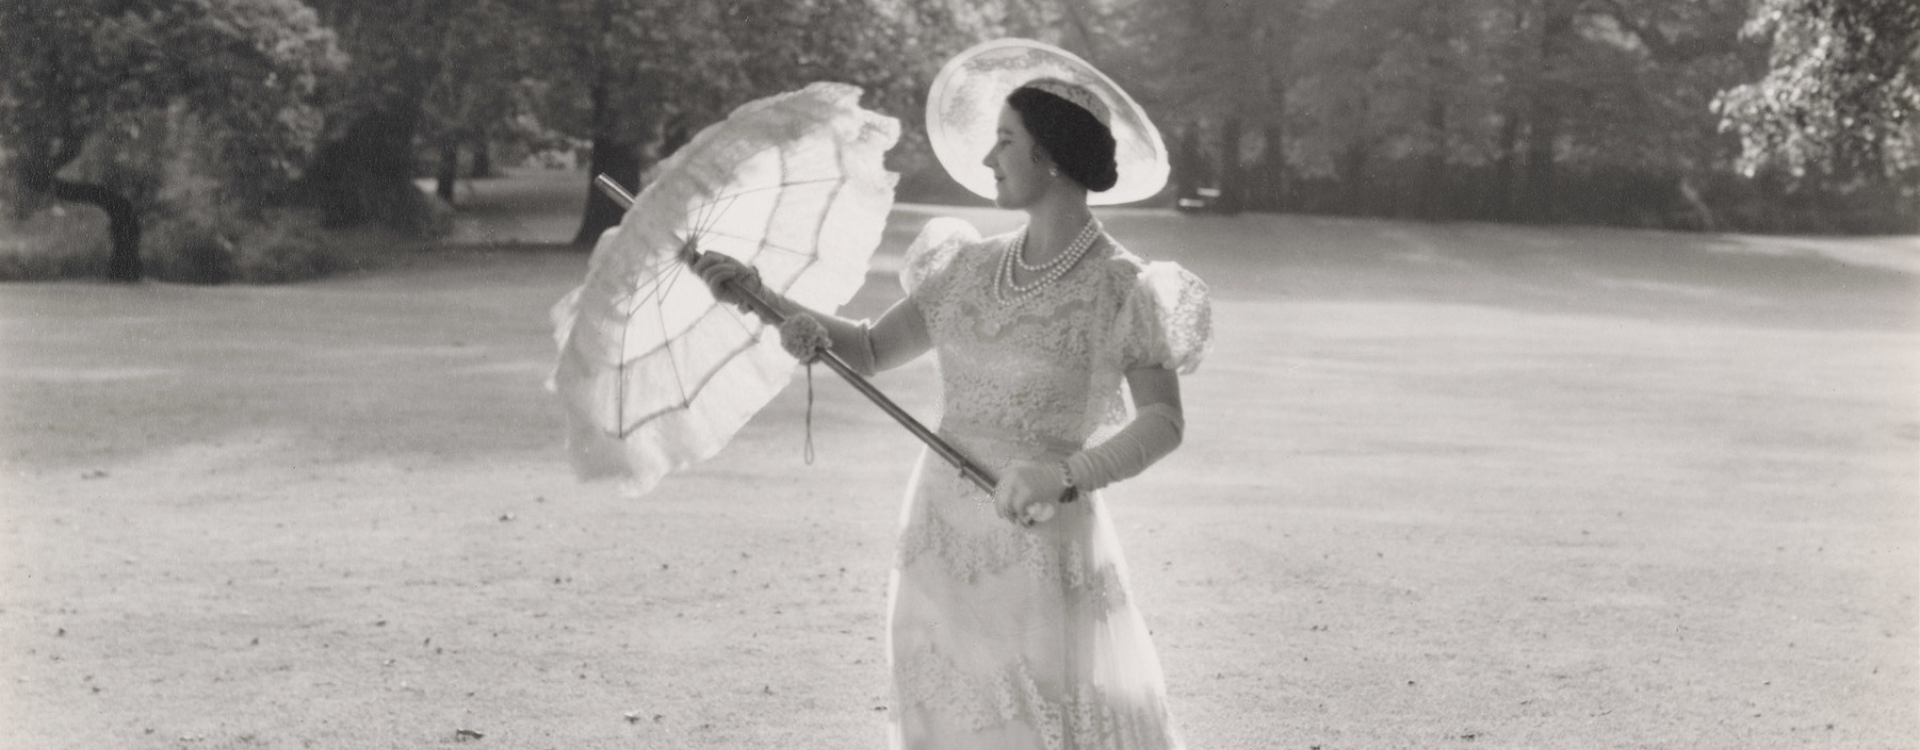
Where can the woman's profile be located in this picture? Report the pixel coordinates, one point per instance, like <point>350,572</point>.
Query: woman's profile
<point>1059,353</point>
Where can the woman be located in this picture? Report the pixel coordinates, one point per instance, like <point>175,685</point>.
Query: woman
<point>1011,627</point>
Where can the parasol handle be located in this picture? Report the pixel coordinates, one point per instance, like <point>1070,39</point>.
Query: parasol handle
<point>761,307</point>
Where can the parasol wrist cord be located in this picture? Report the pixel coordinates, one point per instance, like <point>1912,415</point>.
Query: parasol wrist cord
<point>851,339</point>
<point>1152,434</point>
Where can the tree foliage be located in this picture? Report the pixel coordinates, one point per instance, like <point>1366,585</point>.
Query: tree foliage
<point>1543,110</point>
<point>80,76</point>
<point>1841,93</point>
<point>478,86</point>
<point>1624,111</point>
<point>363,171</point>
<point>636,78</point>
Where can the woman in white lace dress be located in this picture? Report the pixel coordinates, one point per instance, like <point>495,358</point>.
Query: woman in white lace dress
<point>1011,625</point>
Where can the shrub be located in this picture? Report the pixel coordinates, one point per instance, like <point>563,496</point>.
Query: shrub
<point>187,250</point>
<point>57,243</point>
<point>291,246</point>
<point>281,246</point>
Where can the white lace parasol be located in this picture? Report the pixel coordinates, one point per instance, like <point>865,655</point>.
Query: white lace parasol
<point>654,374</point>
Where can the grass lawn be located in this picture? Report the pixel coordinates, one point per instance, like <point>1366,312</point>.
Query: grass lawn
<point>1445,486</point>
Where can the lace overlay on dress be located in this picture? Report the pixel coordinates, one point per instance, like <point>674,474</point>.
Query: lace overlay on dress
<point>1010,637</point>
<point>1054,364</point>
<point>1084,714</point>
<point>968,557</point>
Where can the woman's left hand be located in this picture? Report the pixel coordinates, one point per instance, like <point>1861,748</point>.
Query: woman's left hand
<point>1028,491</point>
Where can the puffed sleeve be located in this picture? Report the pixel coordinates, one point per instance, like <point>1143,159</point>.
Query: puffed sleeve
<point>934,250</point>
<point>1166,320</point>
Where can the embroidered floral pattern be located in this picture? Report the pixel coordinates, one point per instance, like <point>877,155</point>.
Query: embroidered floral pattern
<point>1052,364</point>
<point>968,557</point>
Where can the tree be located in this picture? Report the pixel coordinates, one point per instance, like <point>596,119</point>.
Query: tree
<point>1842,92</point>
<point>1543,110</point>
<point>1509,108</point>
<point>1232,68</point>
<point>476,86</point>
<point>1644,134</point>
<point>81,76</point>
<point>621,75</point>
<point>636,78</point>
<point>363,170</point>
<point>1387,87</point>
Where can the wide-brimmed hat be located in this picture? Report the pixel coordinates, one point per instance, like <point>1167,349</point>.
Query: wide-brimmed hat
<point>964,108</point>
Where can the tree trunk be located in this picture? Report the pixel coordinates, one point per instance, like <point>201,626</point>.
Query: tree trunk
<point>1233,176</point>
<point>1273,162</point>
<point>1190,169</point>
<point>618,160</point>
<point>1538,200</point>
<point>1701,210</point>
<point>616,155</point>
<point>367,175</point>
<point>449,172</point>
<point>1433,187</point>
<point>1276,31</point>
<point>1556,30</point>
<point>1501,203</point>
<point>675,135</point>
<point>482,159</point>
<point>1267,183</point>
<point>123,225</point>
<point>1353,172</point>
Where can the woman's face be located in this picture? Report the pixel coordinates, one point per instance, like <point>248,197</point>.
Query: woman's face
<point>1018,179</point>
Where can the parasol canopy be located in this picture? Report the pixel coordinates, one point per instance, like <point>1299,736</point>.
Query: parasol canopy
<point>654,374</point>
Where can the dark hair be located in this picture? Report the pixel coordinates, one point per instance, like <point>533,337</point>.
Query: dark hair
<point>1079,145</point>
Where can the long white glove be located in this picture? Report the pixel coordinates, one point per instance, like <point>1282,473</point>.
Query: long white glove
<point>851,339</point>
<point>1153,433</point>
<point>1028,490</point>
<point>727,277</point>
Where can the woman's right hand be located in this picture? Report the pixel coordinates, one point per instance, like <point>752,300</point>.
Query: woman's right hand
<point>728,279</point>
<point>1029,491</point>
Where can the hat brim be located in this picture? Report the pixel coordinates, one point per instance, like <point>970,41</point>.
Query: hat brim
<point>964,108</point>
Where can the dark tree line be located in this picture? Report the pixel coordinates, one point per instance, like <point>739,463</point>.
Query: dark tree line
<point>332,103</point>
<point>97,78</point>
<point>1712,114</point>
<point>1706,114</point>
<point>631,78</point>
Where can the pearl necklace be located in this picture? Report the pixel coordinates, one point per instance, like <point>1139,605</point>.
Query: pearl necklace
<point>1053,269</point>
<point>1020,255</point>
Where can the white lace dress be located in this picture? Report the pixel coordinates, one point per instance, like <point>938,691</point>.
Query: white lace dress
<point>1016,638</point>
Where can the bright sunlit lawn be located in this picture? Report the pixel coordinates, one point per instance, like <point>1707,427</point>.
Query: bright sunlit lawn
<point>1444,486</point>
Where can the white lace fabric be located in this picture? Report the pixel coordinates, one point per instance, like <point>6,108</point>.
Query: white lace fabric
<point>1010,637</point>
